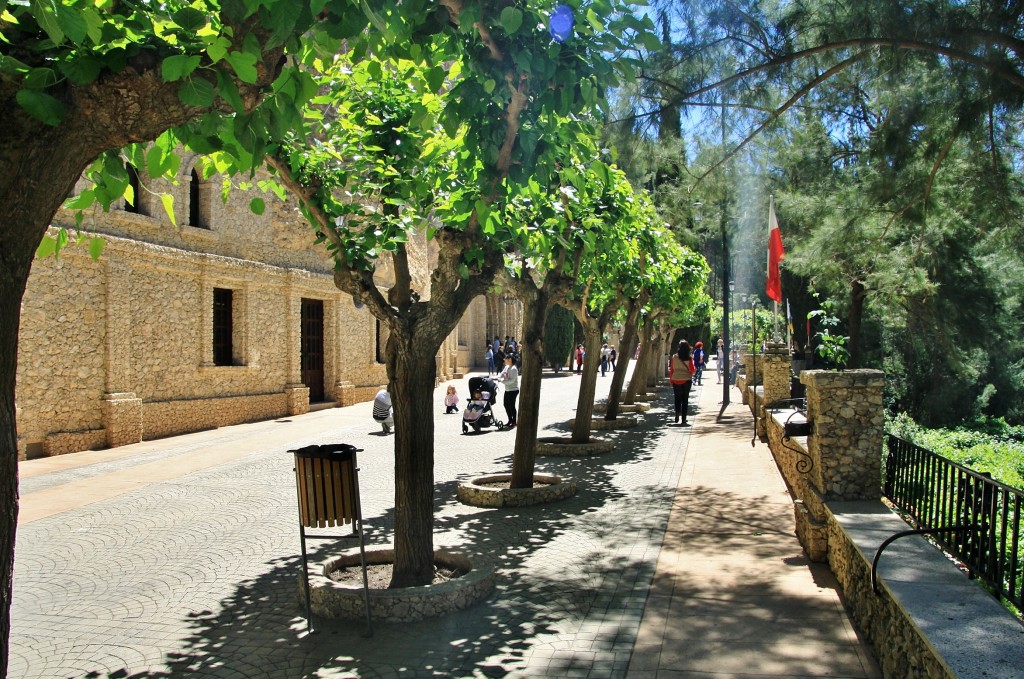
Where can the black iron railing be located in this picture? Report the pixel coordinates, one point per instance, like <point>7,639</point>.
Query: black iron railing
<point>971,516</point>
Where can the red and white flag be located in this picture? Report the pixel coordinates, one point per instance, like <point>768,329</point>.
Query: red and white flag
<point>776,253</point>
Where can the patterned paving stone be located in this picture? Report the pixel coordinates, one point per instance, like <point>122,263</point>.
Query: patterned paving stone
<point>196,575</point>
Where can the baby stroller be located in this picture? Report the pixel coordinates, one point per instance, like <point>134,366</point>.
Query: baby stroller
<point>478,412</point>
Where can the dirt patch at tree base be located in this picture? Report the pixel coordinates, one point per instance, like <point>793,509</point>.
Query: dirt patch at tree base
<point>379,575</point>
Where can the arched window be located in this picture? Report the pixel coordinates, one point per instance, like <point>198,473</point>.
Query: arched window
<point>196,215</point>
<point>133,203</point>
<point>381,342</point>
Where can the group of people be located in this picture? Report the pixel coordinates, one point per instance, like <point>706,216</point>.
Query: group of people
<point>497,351</point>
<point>686,367</point>
<point>608,356</point>
<point>383,410</point>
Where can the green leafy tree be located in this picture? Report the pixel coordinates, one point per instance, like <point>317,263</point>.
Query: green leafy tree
<point>242,80</point>
<point>558,338</point>
<point>80,79</point>
<point>558,230</point>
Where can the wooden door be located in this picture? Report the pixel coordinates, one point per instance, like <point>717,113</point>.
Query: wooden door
<point>313,348</point>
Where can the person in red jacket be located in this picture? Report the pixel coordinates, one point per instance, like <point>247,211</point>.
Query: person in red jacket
<point>680,374</point>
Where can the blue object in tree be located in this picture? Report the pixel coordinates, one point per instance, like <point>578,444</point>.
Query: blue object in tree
<point>561,23</point>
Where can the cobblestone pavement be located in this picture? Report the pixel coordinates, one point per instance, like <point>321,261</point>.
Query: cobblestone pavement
<point>193,572</point>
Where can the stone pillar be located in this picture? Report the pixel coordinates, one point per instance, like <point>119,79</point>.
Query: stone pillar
<point>845,411</point>
<point>750,377</point>
<point>122,409</point>
<point>298,398</point>
<point>845,445</point>
<point>775,363</point>
<point>122,418</point>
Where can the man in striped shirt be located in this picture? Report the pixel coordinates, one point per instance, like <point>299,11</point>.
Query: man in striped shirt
<point>382,410</point>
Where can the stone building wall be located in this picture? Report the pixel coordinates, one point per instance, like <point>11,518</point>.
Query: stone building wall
<point>119,349</point>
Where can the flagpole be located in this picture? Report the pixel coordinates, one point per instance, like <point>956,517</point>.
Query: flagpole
<point>775,310</point>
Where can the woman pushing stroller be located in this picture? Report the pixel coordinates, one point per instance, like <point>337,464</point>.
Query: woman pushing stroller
<point>509,377</point>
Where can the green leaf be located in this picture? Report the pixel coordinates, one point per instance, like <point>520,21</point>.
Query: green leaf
<point>41,106</point>
<point>178,66</point>
<point>189,18</point>
<point>62,240</point>
<point>218,48</point>
<point>197,92</point>
<point>47,247</point>
<point>72,23</point>
<point>40,79</point>
<point>81,201</point>
<point>435,78</point>
<point>82,70</point>
<point>244,64</point>
<point>96,245</point>
<point>511,19</point>
<point>168,202</point>
<point>46,16</point>
<point>12,66</point>
<point>94,24</point>
<point>228,91</point>
<point>257,205</point>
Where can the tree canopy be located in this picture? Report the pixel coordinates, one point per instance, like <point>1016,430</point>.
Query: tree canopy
<point>889,134</point>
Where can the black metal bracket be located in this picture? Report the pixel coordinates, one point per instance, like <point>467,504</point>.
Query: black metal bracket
<point>902,534</point>
<point>792,429</point>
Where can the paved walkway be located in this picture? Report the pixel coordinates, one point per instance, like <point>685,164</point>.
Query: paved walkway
<point>179,557</point>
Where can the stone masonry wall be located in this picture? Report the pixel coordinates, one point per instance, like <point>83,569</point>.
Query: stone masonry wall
<point>168,418</point>
<point>899,646</point>
<point>775,364</point>
<point>845,410</point>
<point>118,349</point>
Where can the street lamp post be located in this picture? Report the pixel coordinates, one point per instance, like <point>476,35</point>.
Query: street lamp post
<point>726,310</point>
<point>753,359</point>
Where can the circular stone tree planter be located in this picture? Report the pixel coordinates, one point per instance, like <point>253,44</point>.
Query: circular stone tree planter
<point>487,491</point>
<point>624,407</point>
<point>341,601</point>
<point>555,446</point>
<point>601,424</point>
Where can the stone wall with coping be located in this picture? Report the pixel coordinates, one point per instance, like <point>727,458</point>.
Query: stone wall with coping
<point>841,458</point>
<point>833,476</point>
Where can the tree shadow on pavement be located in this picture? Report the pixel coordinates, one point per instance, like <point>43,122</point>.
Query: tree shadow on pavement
<point>582,566</point>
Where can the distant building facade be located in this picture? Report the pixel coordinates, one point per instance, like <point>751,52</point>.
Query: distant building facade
<point>228,317</point>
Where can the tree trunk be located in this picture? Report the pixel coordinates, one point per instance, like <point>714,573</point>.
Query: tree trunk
<point>13,284</point>
<point>625,352</point>
<point>857,296</point>
<point>38,168</point>
<point>651,374</point>
<point>588,382</point>
<point>535,313</point>
<point>642,366</point>
<point>412,374</point>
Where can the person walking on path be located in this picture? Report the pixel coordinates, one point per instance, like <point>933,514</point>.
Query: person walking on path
<point>680,374</point>
<point>604,359</point>
<point>579,354</point>
<point>721,359</point>
<point>489,355</point>
<point>700,359</point>
<point>509,378</point>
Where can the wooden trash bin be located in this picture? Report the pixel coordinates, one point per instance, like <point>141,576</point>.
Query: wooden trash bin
<point>327,485</point>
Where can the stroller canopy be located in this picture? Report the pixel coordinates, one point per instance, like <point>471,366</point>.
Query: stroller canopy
<point>481,383</point>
